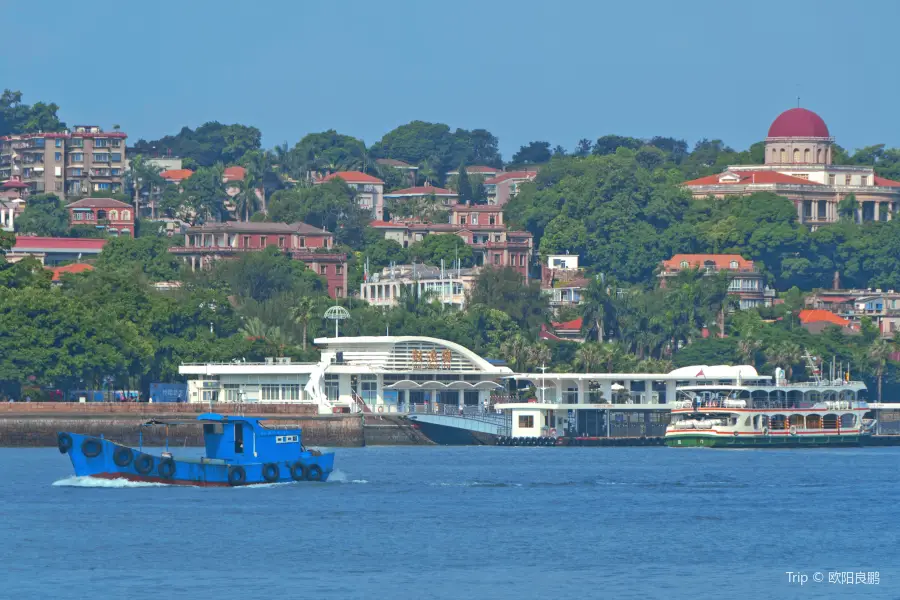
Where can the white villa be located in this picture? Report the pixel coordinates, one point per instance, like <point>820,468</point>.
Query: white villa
<point>370,373</point>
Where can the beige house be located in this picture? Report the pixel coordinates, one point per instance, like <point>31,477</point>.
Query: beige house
<point>798,165</point>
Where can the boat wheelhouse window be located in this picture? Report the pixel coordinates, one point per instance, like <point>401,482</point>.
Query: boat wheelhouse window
<point>212,429</point>
<point>238,438</point>
<point>526,421</point>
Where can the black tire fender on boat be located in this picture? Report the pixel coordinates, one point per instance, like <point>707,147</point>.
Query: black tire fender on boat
<point>64,441</point>
<point>91,447</point>
<point>271,472</point>
<point>314,473</point>
<point>123,456</point>
<point>298,471</point>
<point>166,468</point>
<point>143,464</point>
<point>237,476</point>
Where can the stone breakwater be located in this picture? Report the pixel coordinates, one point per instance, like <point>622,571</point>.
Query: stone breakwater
<point>36,424</point>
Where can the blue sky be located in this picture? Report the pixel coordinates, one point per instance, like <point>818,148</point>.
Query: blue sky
<point>556,71</point>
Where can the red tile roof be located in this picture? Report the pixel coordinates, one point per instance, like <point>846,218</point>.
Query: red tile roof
<point>235,173</point>
<point>176,174</point>
<point>886,182</point>
<point>798,122</point>
<point>73,268</point>
<point>25,243</point>
<point>423,190</point>
<point>353,177</point>
<point>98,203</point>
<point>818,316</point>
<point>512,175</point>
<point>574,324</point>
<point>750,178</point>
<point>721,261</point>
<point>13,184</point>
<point>388,224</point>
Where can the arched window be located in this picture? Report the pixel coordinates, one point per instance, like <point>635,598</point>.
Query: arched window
<point>807,155</point>
<point>796,155</point>
<point>819,156</point>
<point>113,215</point>
<point>783,156</point>
<point>101,214</point>
<point>734,264</point>
<point>774,155</point>
<point>684,264</point>
<point>126,215</point>
<point>124,232</point>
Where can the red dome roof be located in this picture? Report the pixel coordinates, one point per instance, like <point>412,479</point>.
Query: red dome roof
<point>799,122</point>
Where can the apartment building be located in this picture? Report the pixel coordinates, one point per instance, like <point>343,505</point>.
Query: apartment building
<point>70,164</point>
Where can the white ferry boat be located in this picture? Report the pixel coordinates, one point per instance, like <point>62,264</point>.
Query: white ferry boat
<point>822,412</point>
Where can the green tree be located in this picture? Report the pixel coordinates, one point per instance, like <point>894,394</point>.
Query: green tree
<point>302,313</point>
<point>209,144</point>
<point>784,355</point>
<point>45,215</point>
<point>202,197</point>
<point>463,186</point>
<point>564,235</point>
<point>879,353</point>
<point>848,208</point>
<point>447,247</point>
<point>331,206</point>
<point>505,290</point>
<point>589,356</point>
<point>16,117</point>
<point>535,153</point>
<point>262,276</point>
<point>148,255</point>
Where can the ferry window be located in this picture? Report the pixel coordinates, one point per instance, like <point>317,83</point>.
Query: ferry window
<point>526,421</point>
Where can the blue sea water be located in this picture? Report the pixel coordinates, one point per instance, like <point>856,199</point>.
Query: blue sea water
<point>466,522</point>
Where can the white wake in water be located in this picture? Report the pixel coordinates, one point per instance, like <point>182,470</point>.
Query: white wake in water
<point>94,482</point>
<point>339,476</point>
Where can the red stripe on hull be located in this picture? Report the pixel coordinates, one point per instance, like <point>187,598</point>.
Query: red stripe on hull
<point>148,479</point>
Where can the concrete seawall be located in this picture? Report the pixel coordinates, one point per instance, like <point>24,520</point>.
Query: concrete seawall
<point>36,424</point>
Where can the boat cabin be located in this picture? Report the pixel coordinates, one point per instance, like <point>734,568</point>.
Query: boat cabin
<point>238,439</point>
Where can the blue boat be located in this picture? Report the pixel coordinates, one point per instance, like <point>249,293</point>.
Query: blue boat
<point>239,451</point>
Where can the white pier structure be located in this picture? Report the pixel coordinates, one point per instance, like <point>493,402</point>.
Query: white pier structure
<point>379,374</point>
<point>611,404</point>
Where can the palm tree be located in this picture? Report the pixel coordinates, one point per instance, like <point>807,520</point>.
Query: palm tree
<point>747,348</point>
<point>246,201</point>
<point>597,307</point>
<point>302,313</point>
<point>878,354</point>
<point>254,329</point>
<point>539,354</point>
<point>589,356</point>
<point>515,350</point>
<point>784,355</point>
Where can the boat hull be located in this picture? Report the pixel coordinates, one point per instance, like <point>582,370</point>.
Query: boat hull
<point>109,463</point>
<point>763,441</point>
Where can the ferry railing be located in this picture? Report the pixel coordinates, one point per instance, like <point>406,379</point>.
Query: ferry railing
<point>475,413</point>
